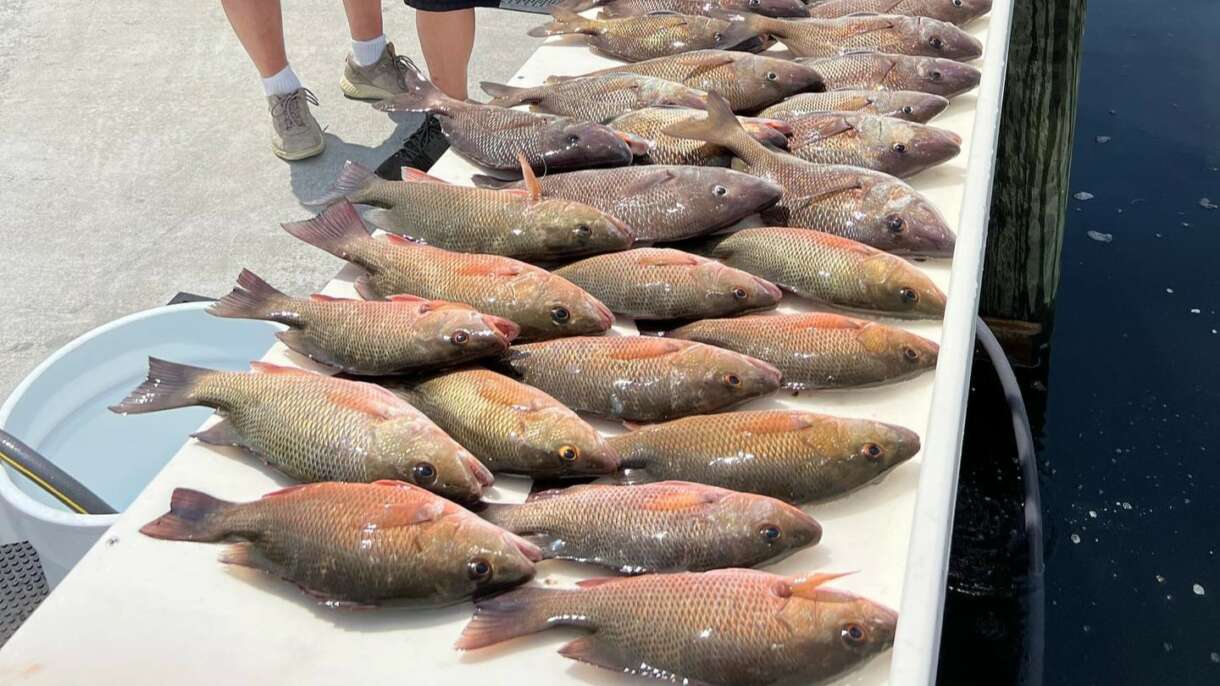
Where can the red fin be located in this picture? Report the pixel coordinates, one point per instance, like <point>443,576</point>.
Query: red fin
<point>379,405</point>
<point>826,320</point>
<point>532,186</point>
<point>516,191</point>
<point>404,298</point>
<point>188,518</point>
<point>774,423</point>
<point>490,269</point>
<point>287,490</point>
<point>502,390</point>
<point>806,586</point>
<point>395,239</point>
<point>413,175</point>
<point>395,484</point>
<point>645,348</point>
<point>596,581</point>
<point>269,368</point>
<point>669,258</point>
<point>323,298</point>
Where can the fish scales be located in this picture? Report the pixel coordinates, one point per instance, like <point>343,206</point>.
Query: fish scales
<point>878,71</point>
<point>902,35</point>
<point>957,12</point>
<point>773,8</point>
<point>906,105</point>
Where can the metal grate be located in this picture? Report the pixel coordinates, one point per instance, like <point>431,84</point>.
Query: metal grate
<point>22,586</point>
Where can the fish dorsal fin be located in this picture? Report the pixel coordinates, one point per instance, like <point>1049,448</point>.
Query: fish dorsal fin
<point>596,581</point>
<point>269,368</point>
<point>371,399</point>
<point>825,320</point>
<point>675,501</point>
<point>774,423</point>
<point>806,586</point>
<point>664,257</point>
<point>406,298</point>
<point>413,175</point>
<point>825,126</point>
<point>401,240</point>
<point>287,490</point>
<point>323,298</point>
<point>532,186</point>
<point>644,348</point>
<point>489,268</point>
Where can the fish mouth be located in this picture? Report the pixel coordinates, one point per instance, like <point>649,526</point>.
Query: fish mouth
<point>637,145</point>
<point>481,474</point>
<point>605,317</point>
<point>625,229</point>
<point>531,552</point>
<point>505,329</point>
<point>772,377</point>
<point>771,289</point>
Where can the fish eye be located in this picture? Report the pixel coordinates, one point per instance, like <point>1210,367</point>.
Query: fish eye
<point>936,43</point>
<point>560,315</point>
<point>908,295</point>
<point>909,354</point>
<point>584,230</point>
<point>424,474</point>
<point>717,36</point>
<point>569,453</point>
<point>740,293</point>
<point>895,223</point>
<point>478,569</point>
<point>732,380</point>
<point>754,3</point>
<point>900,148</point>
<point>853,634</point>
<point>459,337</point>
<point>719,190</point>
<point>771,76</point>
<point>935,76</point>
<point>907,109</point>
<point>771,532</point>
<point>573,139</point>
<point>872,451</point>
<point>957,3</point>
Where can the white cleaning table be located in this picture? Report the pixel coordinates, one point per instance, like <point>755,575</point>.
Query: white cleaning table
<point>142,611</point>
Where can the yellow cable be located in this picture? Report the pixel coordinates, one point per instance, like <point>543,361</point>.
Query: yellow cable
<point>45,486</point>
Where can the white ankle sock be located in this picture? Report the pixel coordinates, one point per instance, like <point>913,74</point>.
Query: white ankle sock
<point>367,52</point>
<point>281,83</point>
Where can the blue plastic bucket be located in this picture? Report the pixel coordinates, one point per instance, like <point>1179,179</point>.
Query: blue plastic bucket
<point>60,410</point>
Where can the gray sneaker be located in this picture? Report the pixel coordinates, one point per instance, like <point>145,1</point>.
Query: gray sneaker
<point>378,81</point>
<point>295,134</point>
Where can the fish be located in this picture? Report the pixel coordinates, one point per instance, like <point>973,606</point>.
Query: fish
<point>641,378</point>
<point>523,223</point>
<point>313,427</point>
<point>831,270</point>
<point>892,34</point>
<point>672,526</point>
<point>597,98</point>
<point>730,627</point>
<point>871,141</point>
<point>356,545</point>
<point>906,105</point>
<point>706,8</point>
<point>371,338</point>
<point>511,427</point>
<point>746,80</point>
<point>635,39</point>
<point>541,304</point>
<point>866,206</point>
<point>492,136</point>
<point>954,11</point>
<point>792,455</point>
<point>661,283</point>
<point>820,350</point>
<point>868,70</point>
<point>652,122</point>
<point>662,202</point>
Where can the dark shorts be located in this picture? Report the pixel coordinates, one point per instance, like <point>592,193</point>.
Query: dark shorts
<point>449,5</point>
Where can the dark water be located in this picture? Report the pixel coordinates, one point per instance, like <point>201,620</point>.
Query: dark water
<point>1125,402</point>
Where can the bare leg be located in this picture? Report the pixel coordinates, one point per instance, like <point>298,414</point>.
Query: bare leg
<point>363,18</point>
<point>447,39</point>
<point>260,28</point>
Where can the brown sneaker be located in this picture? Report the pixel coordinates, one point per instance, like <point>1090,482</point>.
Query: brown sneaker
<point>295,134</point>
<point>378,81</point>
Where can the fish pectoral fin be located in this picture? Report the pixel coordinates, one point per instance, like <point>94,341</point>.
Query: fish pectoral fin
<point>364,287</point>
<point>246,554</point>
<point>602,653</point>
<point>825,127</point>
<point>403,514</point>
<point>298,342</point>
<point>221,433</point>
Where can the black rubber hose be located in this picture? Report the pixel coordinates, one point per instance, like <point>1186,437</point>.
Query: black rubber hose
<point>1031,672</point>
<point>26,461</point>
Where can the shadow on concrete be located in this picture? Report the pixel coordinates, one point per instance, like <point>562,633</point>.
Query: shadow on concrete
<point>313,177</point>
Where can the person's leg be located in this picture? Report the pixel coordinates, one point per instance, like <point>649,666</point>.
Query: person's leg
<point>363,19</point>
<point>447,39</point>
<point>260,28</point>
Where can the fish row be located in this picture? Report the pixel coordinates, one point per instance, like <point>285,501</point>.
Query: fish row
<point>953,11</point>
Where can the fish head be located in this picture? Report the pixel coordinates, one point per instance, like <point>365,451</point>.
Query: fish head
<point>777,79</point>
<point>420,453</point>
<point>901,221</point>
<point>768,527</point>
<point>553,307</point>
<point>934,75</point>
<point>905,148</point>
<point>896,286</point>
<point>561,443</point>
<point>487,559</point>
<point>568,228</point>
<point>867,449</point>
<point>838,629</point>
<point>903,352</point>
<point>568,144</point>
<point>909,105</point>
<point>731,290</point>
<point>462,333</point>
<point>728,377</point>
<point>961,11</point>
<point>768,8</point>
<point>933,38</point>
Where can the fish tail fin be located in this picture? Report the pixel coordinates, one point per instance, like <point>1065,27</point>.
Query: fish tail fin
<point>421,95</point>
<point>353,183</point>
<point>252,298</point>
<point>485,181</point>
<point>335,230</point>
<point>719,127</point>
<point>504,95</point>
<point>565,21</point>
<point>525,610</point>
<point>743,28</point>
<point>168,385</point>
<point>192,516</point>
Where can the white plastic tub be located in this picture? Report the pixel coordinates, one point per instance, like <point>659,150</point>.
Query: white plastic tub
<point>60,410</point>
